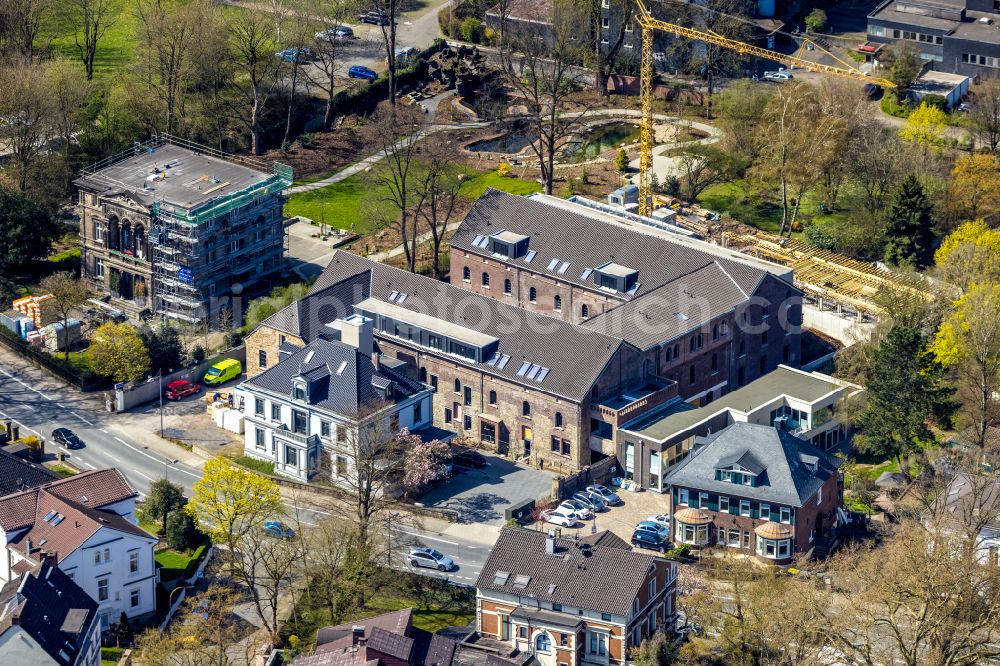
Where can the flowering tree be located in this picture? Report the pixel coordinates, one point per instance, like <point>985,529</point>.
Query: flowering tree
<point>425,461</point>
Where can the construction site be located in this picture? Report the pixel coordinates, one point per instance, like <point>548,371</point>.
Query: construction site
<point>175,229</point>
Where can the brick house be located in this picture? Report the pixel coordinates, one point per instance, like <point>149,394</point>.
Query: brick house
<point>571,602</point>
<point>756,488</point>
<point>707,318</point>
<point>522,382</point>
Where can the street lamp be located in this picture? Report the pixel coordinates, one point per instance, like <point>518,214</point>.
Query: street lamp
<point>159,376</point>
<point>166,469</point>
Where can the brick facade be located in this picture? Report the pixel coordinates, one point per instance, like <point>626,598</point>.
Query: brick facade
<point>263,344</point>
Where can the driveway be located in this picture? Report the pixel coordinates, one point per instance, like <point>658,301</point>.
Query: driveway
<point>482,495</point>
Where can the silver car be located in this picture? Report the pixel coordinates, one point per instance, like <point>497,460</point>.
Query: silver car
<point>582,511</point>
<point>593,501</point>
<point>430,559</point>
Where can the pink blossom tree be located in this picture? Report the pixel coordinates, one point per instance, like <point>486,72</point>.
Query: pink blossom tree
<point>425,462</point>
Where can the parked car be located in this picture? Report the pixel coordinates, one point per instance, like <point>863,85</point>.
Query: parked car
<point>595,502</point>
<point>660,519</point>
<point>649,526</point>
<point>223,371</point>
<point>374,17</point>
<point>560,516</point>
<point>605,493</point>
<point>67,438</point>
<point>361,72</point>
<point>299,55</point>
<point>337,33</point>
<point>470,458</point>
<point>582,511</point>
<point>180,388</point>
<point>780,75</point>
<point>872,91</point>
<point>650,540</point>
<point>430,559</point>
<point>278,530</point>
<point>403,56</point>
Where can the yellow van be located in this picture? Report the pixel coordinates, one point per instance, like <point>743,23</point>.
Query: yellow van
<point>223,371</point>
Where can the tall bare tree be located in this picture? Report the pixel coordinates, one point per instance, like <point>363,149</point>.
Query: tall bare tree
<point>255,72</point>
<point>390,11</point>
<point>438,182</point>
<point>92,19</point>
<point>328,67</point>
<point>22,20</point>
<point>880,160</point>
<point>984,113</point>
<point>26,106</point>
<point>68,96</point>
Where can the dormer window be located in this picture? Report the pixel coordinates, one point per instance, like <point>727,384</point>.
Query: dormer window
<point>616,277</point>
<point>300,391</point>
<point>507,244</point>
<point>741,469</point>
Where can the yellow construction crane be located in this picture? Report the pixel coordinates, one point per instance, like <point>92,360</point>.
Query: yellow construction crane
<point>649,25</point>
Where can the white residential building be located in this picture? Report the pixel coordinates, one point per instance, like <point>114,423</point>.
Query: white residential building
<point>85,525</point>
<point>306,413</point>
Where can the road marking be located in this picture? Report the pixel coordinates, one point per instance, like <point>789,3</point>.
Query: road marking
<point>88,464</point>
<point>104,431</point>
<point>30,388</point>
<point>155,459</point>
<point>81,418</point>
<point>424,536</point>
<point>61,405</point>
<point>65,450</point>
<point>145,476</point>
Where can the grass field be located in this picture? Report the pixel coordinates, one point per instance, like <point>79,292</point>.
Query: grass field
<point>175,564</point>
<point>63,470</point>
<point>426,618</point>
<point>743,203</point>
<point>115,49</point>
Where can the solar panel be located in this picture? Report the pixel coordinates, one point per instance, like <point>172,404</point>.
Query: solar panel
<point>542,375</point>
<point>586,273</point>
<point>552,264</point>
<point>523,369</point>
<point>562,269</point>
<point>528,257</point>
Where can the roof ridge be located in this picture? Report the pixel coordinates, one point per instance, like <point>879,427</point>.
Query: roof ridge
<point>731,278</point>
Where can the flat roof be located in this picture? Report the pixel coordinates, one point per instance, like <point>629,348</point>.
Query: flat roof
<point>891,14</point>
<point>972,29</point>
<point>426,322</point>
<point>938,83</point>
<point>611,268</point>
<point>782,381</point>
<point>509,236</point>
<point>173,175</point>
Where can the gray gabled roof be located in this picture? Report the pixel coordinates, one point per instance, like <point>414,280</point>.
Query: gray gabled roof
<point>595,577</point>
<point>307,317</point>
<point>344,381</point>
<point>783,460</point>
<point>574,355</point>
<point>17,475</point>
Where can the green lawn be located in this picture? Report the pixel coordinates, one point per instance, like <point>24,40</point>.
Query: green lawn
<point>111,656</point>
<point>175,564</point>
<point>350,203</point>
<point>114,50</point>
<point>746,205</point>
<point>428,619</point>
<point>63,470</point>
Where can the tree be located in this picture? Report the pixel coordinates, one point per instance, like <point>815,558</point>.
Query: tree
<point>702,166</point>
<point>164,345</point>
<point>657,650</point>
<point>180,530</point>
<point>231,502</point>
<point>969,342</point>
<point>904,66</point>
<point>880,160</point>
<point>608,40</point>
<point>23,21</point>
<point>255,70</point>
<point>26,107</point>
<point>816,20</point>
<point>390,10</point>
<point>27,231</point>
<point>92,19</point>
<point>116,351</point>
<point>163,498</point>
<point>984,113</point>
<point>328,67</point>
<point>904,392</point>
<point>68,292</point>
<point>122,631</point>
<point>925,126</point>
<point>425,461</point>
<point>740,111</point>
<point>68,108</point>
<point>970,255</point>
<point>545,73</point>
<point>909,233</point>
<point>437,187</point>
<point>974,191</point>
<point>621,161</point>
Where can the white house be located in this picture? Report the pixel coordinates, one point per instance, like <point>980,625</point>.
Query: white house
<point>86,526</point>
<point>305,413</point>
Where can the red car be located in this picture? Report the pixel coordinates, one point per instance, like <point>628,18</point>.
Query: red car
<point>181,389</point>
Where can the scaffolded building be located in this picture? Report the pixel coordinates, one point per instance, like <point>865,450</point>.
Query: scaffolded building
<point>172,228</point>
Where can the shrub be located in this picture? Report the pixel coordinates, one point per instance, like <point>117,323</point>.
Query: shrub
<point>198,354</point>
<point>672,186</point>
<point>681,552</point>
<point>31,442</point>
<point>471,30</point>
<point>937,101</point>
<point>257,465</point>
<point>181,531</point>
<point>503,170</point>
<point>234,339</point>
<point>816,20</point>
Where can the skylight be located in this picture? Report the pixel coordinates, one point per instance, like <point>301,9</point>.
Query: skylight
<point>58,519</point>
<point>500,577</point>
<point>521,581</point>
<point>523,369</point>
<point>528,257</point>
<point>309,355</point>
<point>49,516</point>
<point>562,269</point>
<point>552,264</point>
<point>340,370</point>
<point>586,273</point>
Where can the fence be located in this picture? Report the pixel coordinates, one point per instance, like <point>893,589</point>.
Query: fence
<point>599,472</point>
<point>130,397</point>
<point>49,363</point>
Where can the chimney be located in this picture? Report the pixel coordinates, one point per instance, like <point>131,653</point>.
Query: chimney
<point>356,331</point>
<point>28,550</point>
<point>376,359</point>
<point>358,633</point>
<point>550,544</point>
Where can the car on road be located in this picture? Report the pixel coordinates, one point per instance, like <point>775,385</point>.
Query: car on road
<point>469,458</point>
<point>336,33</point>
<point>430,559</point>
<point>560,516</point>
<point>780,75</point>
<point>299,55</point>
<point>180,388</point>
<point>605,493</point>
<point>361,72</point>
<point>67,438</point>
<point>650,540</point>
<point>649,526</point>
<point>660,519</point>
<point>582,511</point>
<point>596,503</point>
<point>277,529</point>
<point>223,371</point>
<point>374,17</point>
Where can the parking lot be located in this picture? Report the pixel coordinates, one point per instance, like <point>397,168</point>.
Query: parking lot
<point>482,495</point>
<point>622,519</point>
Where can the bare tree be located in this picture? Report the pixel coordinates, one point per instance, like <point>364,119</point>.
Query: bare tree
<point>879,160</point>
<point>608,41</point>
<point>22,20</point>
<point>300,36</point>
<point>92,19</point>
<point>68,293</point>
<point>26,106</point>
<point>328,67</point>
<point>68,95</point>
<point>390,12</point>
<point>984,113</point>
<point>700,168</point>
<point>255,75</point>
<point>544,73</point>
<point>438,181</point>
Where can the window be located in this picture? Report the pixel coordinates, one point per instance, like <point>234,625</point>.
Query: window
<point>98,267</point>
<point>434,382</point>
<point>102,589</point>
<point>507,287</point>
<point>703,500</point>
<point>785,515</point>
<point>258,407</point>
<point>504,627</point>
<point>299,392</point>
<point>259,438</point>
<point>300,423</point>
<point>533,295</point>
<point>133,562</point>
<point>765,512</point>
<point>682,497</point>
<point>819,496</point>
<point>745,507</point>
<point>724,503</point>
<point>584,311</point>
<point>134,598</point>
<point>526,408</point>
<point>468,396</point>
<point>598,641</point>
<point>486,279</point>
<point>262,358</point>
<point>691,375</point>
<point>651,588</point>
<point>743,348</point>
<point>466,274</point>
<point>556,445</point>
<point>341,466</point>
<point>467,422</point>
<point>715,363</point>
<point>563,638</point>
<point>557,303</point>
<point>606,617</point>
<point>559,420</point>
<point>605,23</point>
<point>291,457</point>
<point>447,414</point>
<point>487,432</point>
<point>458,386</point>
<point>565,447</point>
<point>422,375</point>
<point>275,412</point>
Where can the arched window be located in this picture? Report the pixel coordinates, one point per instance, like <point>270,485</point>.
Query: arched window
<point>466,273</point>
<point>667,354</point>
<point>559,420</point>
<point>584,311</point>
<point>677,351</point>
<point>486,279</point>
<point>532,294</point>
<point>557,302</point>
<point>507,288</point>
<point>525,408</point>
<point>691,376</point>
<point>458,386</point>
<point>542,642</point>
<point>422,375</point>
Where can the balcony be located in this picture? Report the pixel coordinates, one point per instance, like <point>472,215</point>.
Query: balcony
<point>632,402</point>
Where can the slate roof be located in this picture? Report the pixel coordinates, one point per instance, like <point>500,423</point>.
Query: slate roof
<point>575,355</point>
<point>347,392</point>
<point>17,474</point>
<point>599,578</point>
<point>52,609</point>
<point>567,232</point>
<point>786,477</point>
<point>94,489</point>
<point>307,317</point>
<point>396,621</point>
<point>387,635</point>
